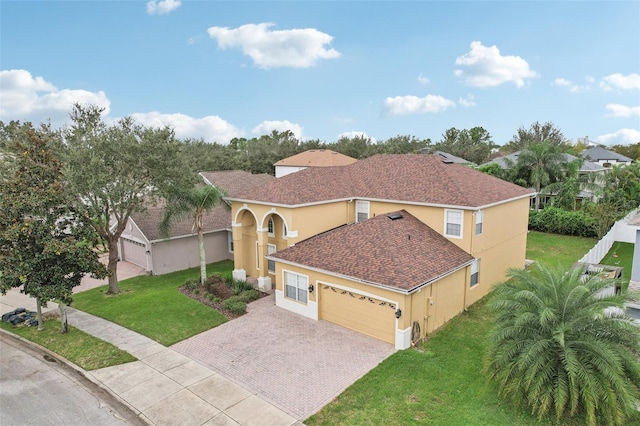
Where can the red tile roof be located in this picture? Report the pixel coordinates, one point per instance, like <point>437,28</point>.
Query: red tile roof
<point>232,182</point>
<point>411,178</point>
<point>317,158</point>
<point>401,254</point>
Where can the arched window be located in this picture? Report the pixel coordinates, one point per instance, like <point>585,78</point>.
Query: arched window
<point>270,228</point>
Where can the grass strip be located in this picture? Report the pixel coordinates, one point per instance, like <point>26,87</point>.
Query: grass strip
<point>82,349</point>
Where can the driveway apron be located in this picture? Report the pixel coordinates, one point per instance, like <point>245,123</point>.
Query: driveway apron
<point>295,363</point>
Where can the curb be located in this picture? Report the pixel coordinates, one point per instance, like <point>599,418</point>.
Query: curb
<point>117,405</point>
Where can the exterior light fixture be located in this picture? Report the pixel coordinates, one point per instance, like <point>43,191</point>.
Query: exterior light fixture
<point>310,288</point>
<point>398,313</point>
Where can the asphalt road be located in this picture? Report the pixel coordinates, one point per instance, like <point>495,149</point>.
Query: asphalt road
<point>36,389</point>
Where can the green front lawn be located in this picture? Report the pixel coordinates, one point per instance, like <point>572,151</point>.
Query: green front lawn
<point>153,306</point>
<point>82,349</point>
<point>443,383</point>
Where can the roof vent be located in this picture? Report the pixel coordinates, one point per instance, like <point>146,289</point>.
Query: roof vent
<point>395,216</point>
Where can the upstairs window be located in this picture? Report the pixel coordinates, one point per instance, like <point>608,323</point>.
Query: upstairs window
<point>284,230</point>
<point>453,223</point>
<point>362,210</point>
<point>270,228</point>
<point>479,219</point>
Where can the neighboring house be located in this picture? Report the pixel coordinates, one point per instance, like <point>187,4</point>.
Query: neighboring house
<point>142,244</point>
<point>604,157</point>
<point>446,157</point>
<point>311,158</point>
<point>587,169</point>
<point>634,283</point>
<point>392,246</point>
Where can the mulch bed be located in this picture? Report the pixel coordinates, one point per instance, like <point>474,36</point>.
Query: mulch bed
<point>202,298</point>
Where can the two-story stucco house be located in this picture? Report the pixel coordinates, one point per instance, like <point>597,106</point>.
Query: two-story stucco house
<point>392,246</point>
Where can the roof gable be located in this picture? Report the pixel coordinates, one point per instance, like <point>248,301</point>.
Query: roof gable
<point>231,181</point>
<point>317,158</point>
<point>401,253</point>
<point>410,178</point>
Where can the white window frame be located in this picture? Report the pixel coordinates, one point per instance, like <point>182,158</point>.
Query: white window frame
<point>448,221</point>
<point>362,207</point>
<point>479,222</point>
<point>230,241</point>
<point>284,230</point>
<point>474,276</point>
<point>299,288</point>
<point>271,226</point>
<point>271,264</point>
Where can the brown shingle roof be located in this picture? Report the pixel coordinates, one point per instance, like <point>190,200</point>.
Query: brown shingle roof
<point>412,178</point>
<point>402,254</point>
<point>317,158</point>
<point>232,182</point>
<point>235,181</point>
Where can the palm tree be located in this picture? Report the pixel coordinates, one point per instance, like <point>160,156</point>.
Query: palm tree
<point>543,164</point>
<point>560,346</point>
<point>195,203</point>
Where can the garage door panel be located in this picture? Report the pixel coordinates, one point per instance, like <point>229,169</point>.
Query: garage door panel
<point>358,312</point>
<point>134,252</point>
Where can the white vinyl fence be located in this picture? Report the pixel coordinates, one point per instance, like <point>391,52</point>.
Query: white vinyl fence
<point>620,231</point>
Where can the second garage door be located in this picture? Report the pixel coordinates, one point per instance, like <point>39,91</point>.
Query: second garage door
<point>367,315</point>
<point>134,252</point>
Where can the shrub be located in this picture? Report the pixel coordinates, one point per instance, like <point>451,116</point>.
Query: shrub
<point>214,279</point>
<point>221,290</point>
<point>191,285</point>
<point>248,295</point>
<point>559,221</point>
<point>235,305</point>
<point>238,286</point>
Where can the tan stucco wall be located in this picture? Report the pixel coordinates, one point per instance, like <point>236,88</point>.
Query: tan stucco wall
<point>501,245</point>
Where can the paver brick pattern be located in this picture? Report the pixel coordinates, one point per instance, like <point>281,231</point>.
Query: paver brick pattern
<point>296,363</point>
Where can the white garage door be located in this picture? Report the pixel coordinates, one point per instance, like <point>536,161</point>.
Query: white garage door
<point>367,315</point>
<point>134,252</point>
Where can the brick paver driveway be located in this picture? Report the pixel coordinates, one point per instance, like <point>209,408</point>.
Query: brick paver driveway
<point>293,362</point>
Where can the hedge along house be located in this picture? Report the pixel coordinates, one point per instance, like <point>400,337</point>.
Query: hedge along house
<point>484,217</point>
<point>142,244</point>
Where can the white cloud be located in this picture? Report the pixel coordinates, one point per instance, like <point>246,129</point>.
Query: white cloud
<point>297,48</point>
<point>27,98</point>
<point>163,7</point>
<point>621,137</point>
<point>356,134</point>
<point>401,105</point>
<point>210,128</point>
<point>573,88</point>
<point>618,110</point>
<point>266,127</point>
<point>619,81</point>
<point>485,67</point>
<point>467,102</point>
<point>423,80</point>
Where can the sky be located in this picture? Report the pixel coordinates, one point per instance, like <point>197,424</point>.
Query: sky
<point>217,70</point>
